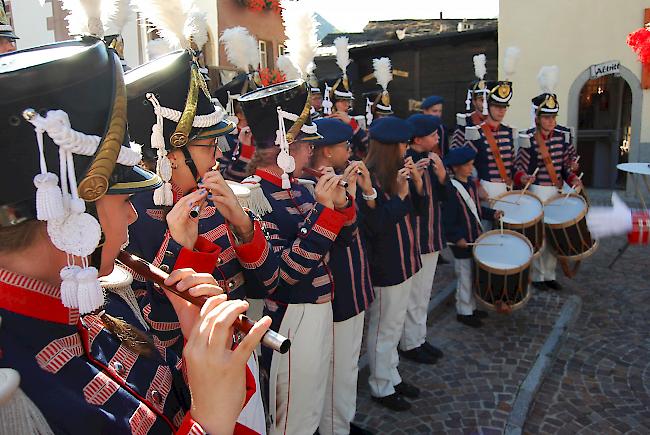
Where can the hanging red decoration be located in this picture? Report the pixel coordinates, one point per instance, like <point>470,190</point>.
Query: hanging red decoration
<point>270,77</point>
<point>639,41</point>
<point>261,5</point>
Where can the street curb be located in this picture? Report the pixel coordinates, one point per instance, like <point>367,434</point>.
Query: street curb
<point>435,303</point>
<point>545,358</point>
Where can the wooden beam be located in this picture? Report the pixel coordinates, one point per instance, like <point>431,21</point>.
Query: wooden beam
<point>645,70</point>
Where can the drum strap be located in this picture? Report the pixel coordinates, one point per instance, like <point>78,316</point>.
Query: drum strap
<point>496,153</point>
<point>476,118</point>
<point>468,199</point>
<point>546,156</point>
<point>569,272</point>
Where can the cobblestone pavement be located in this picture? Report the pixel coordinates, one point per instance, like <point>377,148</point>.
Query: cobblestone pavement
<point>472,389</point>
<point>600,382</point>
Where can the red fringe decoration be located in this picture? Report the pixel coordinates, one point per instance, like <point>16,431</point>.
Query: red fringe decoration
<point>639,41</point>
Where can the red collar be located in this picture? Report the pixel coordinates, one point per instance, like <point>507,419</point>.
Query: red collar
<point>177,192</point>
<point>544,136</point>
<point>271,177</point>
<point>32,298</point>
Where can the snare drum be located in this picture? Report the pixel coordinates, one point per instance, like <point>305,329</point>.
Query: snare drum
<point>566,227</point>
<point>523,214</point>
<point>503,269</point>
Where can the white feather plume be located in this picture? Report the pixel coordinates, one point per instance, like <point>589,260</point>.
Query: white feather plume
<point>85,16</point>
<point>548,77</point>
<point>114,22</point>
<point>196,28</point>
<point>241,47</point>
<point>342,53</point>
<point>287,67</point>
<point>383,71</point>
<point>158,48</point>
<point>300,28</point>
<point>510,61</point>
<point>169,17</point>
<point>479,66</point>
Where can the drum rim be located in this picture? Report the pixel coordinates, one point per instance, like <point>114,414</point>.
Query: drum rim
<point>588,253</point>
<point>575,220</point>
<point>514,306</point>
<point>526,224</point>
<point>503,272</point>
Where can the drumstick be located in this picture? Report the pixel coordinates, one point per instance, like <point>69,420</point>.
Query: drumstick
<point>530,180</point>
<point>271,339</point>
<point>503,200</point>
<point>477,244</point>
<point>572,188</point>
<point>501,224</point>
<point>194,212</point>
<point>318,174</point>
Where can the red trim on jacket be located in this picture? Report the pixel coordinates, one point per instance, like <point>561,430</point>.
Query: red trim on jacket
<point>202,259</point>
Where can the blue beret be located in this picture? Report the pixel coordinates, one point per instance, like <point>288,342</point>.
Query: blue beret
<point>432,101</point>
<point>423,125</point>
<point>333,131</point>
<point>459,156</point>
<point>391,130</point>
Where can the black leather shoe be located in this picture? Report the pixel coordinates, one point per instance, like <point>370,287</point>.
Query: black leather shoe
<point>470,320</point>
<point>407,390</point>
<point>553,285</point>
<point>394,402</point>
<point>356,430</point>
<point>432,350</point>
<point>540,285</point>
<point>480,314</point>
<point>418,355</point>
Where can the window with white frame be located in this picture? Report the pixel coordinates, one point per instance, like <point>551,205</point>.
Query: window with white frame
<point>263,54</point>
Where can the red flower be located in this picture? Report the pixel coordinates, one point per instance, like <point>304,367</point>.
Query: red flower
<point>639,41</point>
<point>257,5</point>
<point>270,77</point>
<point>274,5</point>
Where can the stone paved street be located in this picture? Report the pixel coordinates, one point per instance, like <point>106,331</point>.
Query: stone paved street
<point>600,382</point>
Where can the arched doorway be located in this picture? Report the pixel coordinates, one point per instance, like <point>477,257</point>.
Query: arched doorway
<point>604,117</point>
<point>606,112</point>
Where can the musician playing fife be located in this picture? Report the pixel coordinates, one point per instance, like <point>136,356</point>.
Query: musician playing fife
<point>547,148</point>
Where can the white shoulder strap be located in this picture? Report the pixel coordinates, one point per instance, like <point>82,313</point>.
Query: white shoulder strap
<point>468,199</point>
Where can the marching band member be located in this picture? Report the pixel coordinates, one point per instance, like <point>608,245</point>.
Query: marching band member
<point>422,150</point>
<point>462,216</point>
<point>316,99</point>
<point>393,253</point>
<point>548,149</point>
<point>242,51</point>
<point>494,141</point>
<point>7,36</point>
<point>339,98</point>
<point>476,99</point>
<point>353,291</point>
<point>380,106</point>
<point>433,105</point>
<point>85,363</point>
<point>302,230</point>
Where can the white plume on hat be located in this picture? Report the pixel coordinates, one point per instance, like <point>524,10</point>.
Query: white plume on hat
<point>287,67</point>
<point>479,66</point>
<point>86,17</point>
<point>174,20</point>
<point>510,61</point>
<point>301,30</point>
<point>114,23</point>
<point>342,53</point>
<point>383,72</point>
<point>158,48</point>
<point>197,24</point>
<point>548,77</point>
<point>241,47</point>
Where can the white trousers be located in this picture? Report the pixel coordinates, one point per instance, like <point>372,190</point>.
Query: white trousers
<point>544,265</point>
<point>341,396</point>
<point>298,379</point>
<point>385,325</point>
<point>465,300</point>
<point>415,323</point>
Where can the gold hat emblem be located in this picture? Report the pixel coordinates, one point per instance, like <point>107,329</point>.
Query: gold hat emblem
<point>504,90</point>
<point>550,102</point>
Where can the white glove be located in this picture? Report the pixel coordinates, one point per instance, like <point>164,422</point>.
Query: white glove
<point>610,221</point>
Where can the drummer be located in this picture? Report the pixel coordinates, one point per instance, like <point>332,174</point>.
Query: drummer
<point>475,100</point>
<point>547,149</point>
<point>461,217</point>
<point>493,140</point>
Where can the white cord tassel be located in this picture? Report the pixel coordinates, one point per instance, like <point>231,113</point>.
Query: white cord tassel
<point>285,161</point>
<point>327,103</point>
<point>468,100</point>
<point>369,116</point>
<point>89,291</point>
<point>532,115</point>
<point>69,286</point>
<point>485,102</point>
<point>162,195</point>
